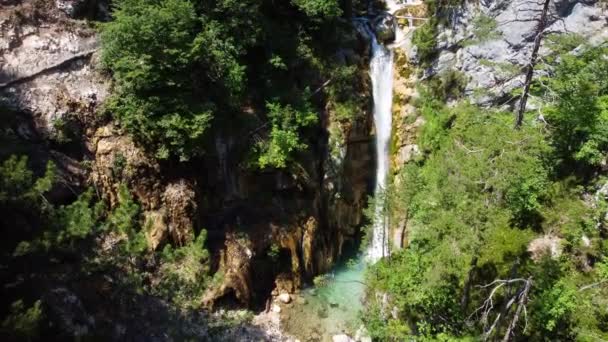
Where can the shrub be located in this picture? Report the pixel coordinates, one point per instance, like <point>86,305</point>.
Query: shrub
<point>579,114</point>
<point>448,85</point>
<point>24,323</point>
<point>425,40</point>
<point>184,273</point>
<point>284,138</point>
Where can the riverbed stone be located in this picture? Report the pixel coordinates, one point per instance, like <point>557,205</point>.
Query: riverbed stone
<point>342,338</point>
<point>284,298</point>
<point>362,335</point>
<point>385,27</point>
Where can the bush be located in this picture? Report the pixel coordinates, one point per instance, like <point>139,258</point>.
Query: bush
<point>125,220</point>
<point>24,323</point>
<point>425,40</point>
<point>284,137</point>
<point>151,49</point>
<point>18,185</point>
<point>184,273</point>
<point>448,85</point>
<point>579,115</point>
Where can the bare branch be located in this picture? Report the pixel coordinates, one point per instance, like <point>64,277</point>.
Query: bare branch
<point>542,23</point>
<point>523,299</point>
<point>586,287</point>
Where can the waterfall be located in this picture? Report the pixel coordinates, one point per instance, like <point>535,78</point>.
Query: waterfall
<point>381,71</point>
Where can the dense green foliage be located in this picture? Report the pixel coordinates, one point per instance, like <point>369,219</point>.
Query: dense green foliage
<point>23,198</point>
<point>484,29</point>
<point>184,67</point>
<point>425,40</point>
<point>284,138</point>
<point>50,238</point>
<point>183,275</point>
<point>22,322</point>
<point>578,111</point>
<point>488,204</point>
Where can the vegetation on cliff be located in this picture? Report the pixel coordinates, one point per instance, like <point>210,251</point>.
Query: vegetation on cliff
<point>81,241</point>
<point>183,67</point>
<point>184,74</point>
<point>505,228</point>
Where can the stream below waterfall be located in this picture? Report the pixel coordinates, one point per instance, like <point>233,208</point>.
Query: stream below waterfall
<point>318,314</point>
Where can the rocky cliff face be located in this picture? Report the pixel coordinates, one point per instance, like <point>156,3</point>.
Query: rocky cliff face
<point>491,41</point>
<point>484,48</point>
<point>277,229</point>
<point>49,79</point>
<point>267,230</point>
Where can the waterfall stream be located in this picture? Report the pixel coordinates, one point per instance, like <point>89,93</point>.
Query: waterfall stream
<point>318,313</point>
<point>381,71</point>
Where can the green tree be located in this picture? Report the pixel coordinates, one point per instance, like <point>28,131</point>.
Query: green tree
<point>284,136</point>
<point>322,8</point>
<point>18,185</point>
<point>184,274</point>
<point>425,40</point>
<point>125,220</point>
<point>578,110</point>
<point>24,322</point>
<point>151,47</point>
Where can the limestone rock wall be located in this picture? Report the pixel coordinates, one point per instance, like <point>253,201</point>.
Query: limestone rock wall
<point>268,229</point>
<point>50,83</point>
<point>492,65</point>
<point>491,68</point>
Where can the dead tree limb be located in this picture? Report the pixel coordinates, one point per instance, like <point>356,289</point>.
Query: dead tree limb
<point>519,296</point>
<point>542,23</point>
<point>523,300</point>
<point>586,287</point>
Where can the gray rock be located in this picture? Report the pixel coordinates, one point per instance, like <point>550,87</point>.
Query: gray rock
<point>342,338</point>
<point>407,153</point>
<point>284,298</point>
<point>72,316</point>
<point>362,335</point>
<point>97,9</point>
<point>491,66</point>
<point>445,61</point>
<point>385,27</point>
<point>70,7</point>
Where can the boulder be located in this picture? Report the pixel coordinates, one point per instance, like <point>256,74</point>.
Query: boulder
<point>69,313</point>
<point>342,338</point>
<point>97,9</point>
<point>284,298</point>
<point>547,245</point>
<point>362,335</point>
<point>70,7</point>
<point>385,27</point>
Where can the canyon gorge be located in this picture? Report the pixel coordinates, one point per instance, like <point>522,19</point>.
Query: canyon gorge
<point>263,220</point>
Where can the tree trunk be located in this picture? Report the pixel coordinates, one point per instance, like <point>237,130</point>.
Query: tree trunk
<point>523,300</point>
<point>466,293</point>
<point>542,23</point>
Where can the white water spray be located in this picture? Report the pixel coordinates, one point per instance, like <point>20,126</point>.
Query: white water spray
<point>381,71</point>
